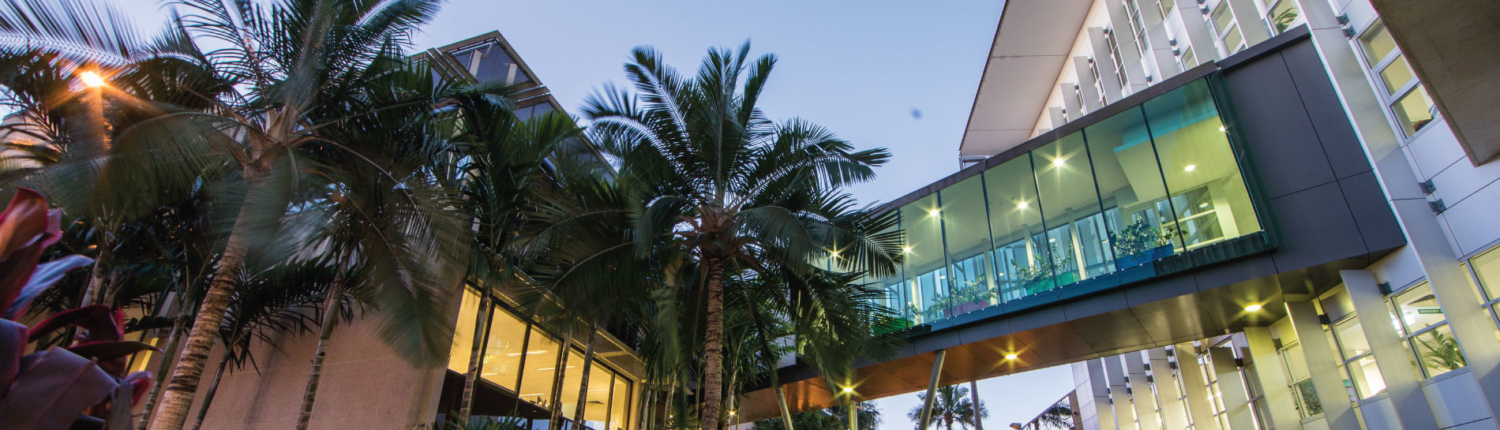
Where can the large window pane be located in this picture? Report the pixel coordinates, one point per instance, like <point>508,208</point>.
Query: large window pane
<point>1418,308</point>
<point>572,382</point>
<point>896,297</point>
<point>1377,43</point>
<point>541,365</point>
<point>502,354</point>
<point>1487,267</point>
<point>463,332</point>
<point>1414,110</point>
<point>595,412</point>
<point>1208,191</point>
<point>619,407</point>
<point>1070,206</point>
<point>1368,381</point>
<point>1141,227</point>
<point>1438,352</point>
<point>925,264</point>
<point>1016,224</point>
<point>967,232</point>
<point>1396,75</point>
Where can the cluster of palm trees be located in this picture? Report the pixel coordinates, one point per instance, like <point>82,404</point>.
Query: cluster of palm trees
<point>269,167</point>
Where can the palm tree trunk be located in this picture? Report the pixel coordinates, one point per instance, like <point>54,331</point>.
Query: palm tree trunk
<point>213,388</point>
<point>974,398</point>
<point>178,399</point>
<point>98,278</point>
<point>588,364</point>
<point>713,347</point>
<point>330,319</point>
<point>161,372</point>
<point>466,402</point>
<point>559,370</point>
<point>786,412</point>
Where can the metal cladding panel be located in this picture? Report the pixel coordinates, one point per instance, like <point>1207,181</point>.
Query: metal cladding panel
<point>1377,224</point>
<point>1339,142</point>
<point>1279,135</point>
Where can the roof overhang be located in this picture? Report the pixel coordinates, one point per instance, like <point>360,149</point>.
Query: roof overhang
<point>1031,46</point>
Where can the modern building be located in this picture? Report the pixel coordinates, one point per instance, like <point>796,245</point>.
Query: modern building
<point>527,370</point>
<point>1222,214</point>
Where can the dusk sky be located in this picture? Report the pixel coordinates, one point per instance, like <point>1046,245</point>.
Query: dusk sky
<point>899,75</point>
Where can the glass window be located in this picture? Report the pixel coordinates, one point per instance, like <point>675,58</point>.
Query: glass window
<point>572,382</point>
<point>1396,75</point>
<point>1418,308</point>
<point>1307,396</point>
<point>541,365</point>
<point>1283,15</point>
<point>1232,41</point>
<point>968,243</point>
<point>1016,224</point>
<point>925,261</point>
<point>502,353</point>
<point>619,407</point>
<point>1414,110</point>
<point>1351,338</point>
<point>1070,206</point>
<point>596,409</point>
<point>1487,268</point>
<point>1208,191</point>
<point>1140,224</point>
<point>1222,17</point>
<point>1188,59</point>
<point>1366,376</point>
<point>1438,351</point>
<point>463,332</point>
<point>1377,44</point>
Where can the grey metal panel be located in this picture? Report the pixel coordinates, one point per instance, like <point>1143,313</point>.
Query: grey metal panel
<point>1094,305</point>
<point>1317,227</point>
<point>984,330</point>
<point>1035,319</point>
<point>1161,289</point>
<point>1241,270</point>
<point>1176,318</point>
<point>935,341</point>
<point>1340,143</point>
<point>1377,224</point>
<point>1280,136</point>
<point>1112,331</point>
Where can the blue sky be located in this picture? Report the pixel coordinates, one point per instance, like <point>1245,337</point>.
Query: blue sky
<point>862,69</point>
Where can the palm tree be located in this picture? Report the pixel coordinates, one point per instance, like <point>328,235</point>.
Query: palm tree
<point>270,104</point>
<point>710,179</point>
<point>951,406</point>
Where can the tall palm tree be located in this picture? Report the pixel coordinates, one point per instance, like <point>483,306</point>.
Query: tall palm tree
<point>712,180</point>
<point>288,74</point>
<point>951,406</point>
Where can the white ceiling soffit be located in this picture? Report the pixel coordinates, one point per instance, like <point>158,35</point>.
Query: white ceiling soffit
<point>1031,46</point>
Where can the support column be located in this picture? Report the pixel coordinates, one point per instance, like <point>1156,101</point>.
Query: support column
<point>1125,41</point>
<point>1472,327</point>
<point>1232,388</point>
<point>1086,88</point>
<point>1070,99</point>
<point>1093,408</point>
<point>1056,116</point>
<point>1402,382</point>
<point>1271,372</point>
<point>932,385</point>
<point>1198,34</point>
<point>1108,79</point>
<point>1119,393</point>
<point>1173,412</point>
<point>1159,56</point>
<point>1338,412</point>
<point>1140,391</point>
<point>1197,388</point>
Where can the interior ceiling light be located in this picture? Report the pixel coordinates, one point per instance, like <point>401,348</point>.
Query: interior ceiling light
<point>1252,308</point>
<point>848,390</point>
<point>906,249</point>
<point>1010,356</point>
<point>933,212</point>
<point>1190,167</point>
<point>1058,161</point>
<point>1023,204</point>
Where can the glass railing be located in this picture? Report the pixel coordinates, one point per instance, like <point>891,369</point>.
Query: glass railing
<point>1154,189</point>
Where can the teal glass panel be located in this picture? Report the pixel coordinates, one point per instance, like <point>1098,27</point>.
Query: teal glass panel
<point>967,236</point>
<point>1073,216</point>
<point>894,295</point>
<point>1137,214</point>
<point>926,265</point>
<point>1208,191</point>
<point>1016,229</point>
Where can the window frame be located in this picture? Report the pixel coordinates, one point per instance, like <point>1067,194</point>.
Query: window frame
<point>1374,74</point>
<point>1409,337</point>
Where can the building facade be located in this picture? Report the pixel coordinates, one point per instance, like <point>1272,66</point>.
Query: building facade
<point>1222,214</point>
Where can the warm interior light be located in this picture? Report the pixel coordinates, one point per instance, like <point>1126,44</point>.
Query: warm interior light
<point>731,413</point>
<point>1023,205</point>
<point>848,390</point>
<point>514,354</point>
<point>1058,161</point>
<point>1190,167</point>
<point>1010,356</point>
<point>91,79</point>
<point>1252,308</point>
<point>1203,205</point>
<point>906,249</point>
<point>933,213</point>
<point>1222,128</point>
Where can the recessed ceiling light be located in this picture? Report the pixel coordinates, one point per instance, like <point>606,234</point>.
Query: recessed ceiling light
<point>1190,167</point>
<point>848,390</point>
<point>933,212</point>
<point>1023,205</point>
<point>1058,161</point>
<point>1252,308</point>
<point>906,249</point>
<point>1203,205</point>
<point>1010,356</point>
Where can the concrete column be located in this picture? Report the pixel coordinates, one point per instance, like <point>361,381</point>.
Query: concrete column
<point>1232,389</point>
<point>1401,380</point>
<point>1472,327</point>
<point>1056,116</point>
<point>1197,388</point>
<point>1159,57</point>
<point>1198,35</point>
<point>1338,412</point>
<point>1119,391</point>
<point>1140,390</point>
<point>1086,84</point>
<point>1107,76</point>
<point>1247,18</point>
<point>1173,412</point>
<point>1091,389</point>
<point>1272,375</point>
<point>1130,54</point>
<point>1070,99</point>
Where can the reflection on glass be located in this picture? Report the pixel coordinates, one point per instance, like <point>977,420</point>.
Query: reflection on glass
<point>1139,219</point>
<point>1414,110</point>
<point>1296,367</point>
<point>503,350</point>
<point>1487,267</point>
<point>1377,44</point>
<point>619,412</point>
<point>1351,338</point>
<point>1209,196</point>
<point>1396,75</point>
<point>1221,16</point>
<point>1418,308</point>
<point>1283,15</point>
<point>540,364</point>
<point>463,332</point>
<point>928,278</point>
<point>968,243</point>
<point>1070,206</point>
<point>1016,225</point>
<point>1366,376</point>
<point>1308,397</point>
